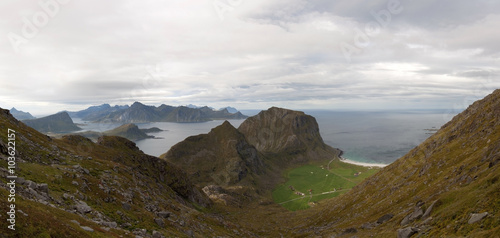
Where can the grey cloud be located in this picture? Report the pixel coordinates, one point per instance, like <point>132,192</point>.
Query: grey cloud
<point>263,52</point>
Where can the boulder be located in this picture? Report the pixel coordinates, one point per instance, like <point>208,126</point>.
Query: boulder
<point>86,228</point>
<point>43,187</point>
<point>109,224</point>
<point>160,222</point>
<point>20,180</point>
<point>384,218</point>
<point>413,216</point>
<point>429,210</point>
<point>83,208</point>
<point>66,196</point>
<point>31,184</point>
<point>475,217</point>
<point>164,214</point>
<point>407,232</point>
<point>157,234</point>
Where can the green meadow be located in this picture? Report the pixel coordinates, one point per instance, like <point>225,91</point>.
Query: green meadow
<point>316,182</point>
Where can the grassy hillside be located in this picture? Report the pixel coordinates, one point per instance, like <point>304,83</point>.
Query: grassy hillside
<point>109,186</point>
<point>322,182</point>
<point>456,169</point>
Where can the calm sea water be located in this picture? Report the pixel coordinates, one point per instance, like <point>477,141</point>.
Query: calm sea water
<point>377,137</point>
<point>371,137</point>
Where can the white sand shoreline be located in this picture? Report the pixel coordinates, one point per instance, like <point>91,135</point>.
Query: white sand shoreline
<point>361,163</point>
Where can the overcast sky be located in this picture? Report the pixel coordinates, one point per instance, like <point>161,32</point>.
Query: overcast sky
<point>250,54</point>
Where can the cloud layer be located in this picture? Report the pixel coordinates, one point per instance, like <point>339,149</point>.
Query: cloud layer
<point>249,54</point>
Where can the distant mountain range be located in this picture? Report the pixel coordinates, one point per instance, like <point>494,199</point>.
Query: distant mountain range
<point>138,113</point>
<point>57,123</point>
<point>20,115</point>
<point>95,112</point>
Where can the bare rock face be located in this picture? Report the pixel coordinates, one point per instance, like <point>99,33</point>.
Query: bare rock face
<point>294,134</point>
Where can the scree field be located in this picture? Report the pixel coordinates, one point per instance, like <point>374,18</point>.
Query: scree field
<point>311,183</point>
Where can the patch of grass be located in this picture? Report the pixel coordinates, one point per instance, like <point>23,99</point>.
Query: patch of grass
<point>316,182</point>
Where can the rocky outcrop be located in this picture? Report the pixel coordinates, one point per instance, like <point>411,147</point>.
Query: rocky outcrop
<point>407,232</point>
<point>475,217</point>
<point>222,157</point>
<point>291,135</point>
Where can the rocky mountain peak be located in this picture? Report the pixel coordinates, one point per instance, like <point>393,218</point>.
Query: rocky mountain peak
<point>222,157</point>
<point>59,122</point>
<point>283,131</point>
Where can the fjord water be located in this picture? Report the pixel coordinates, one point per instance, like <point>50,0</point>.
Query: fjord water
<point>369,137</point>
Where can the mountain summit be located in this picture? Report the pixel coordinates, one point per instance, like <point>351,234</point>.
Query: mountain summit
<point>222,157</point>
<point>57,123</point>
<point>20,115</point>
<point>286,133</point>
<point>139,112</point>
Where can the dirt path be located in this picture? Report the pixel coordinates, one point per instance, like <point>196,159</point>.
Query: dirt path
<point>310,196</point>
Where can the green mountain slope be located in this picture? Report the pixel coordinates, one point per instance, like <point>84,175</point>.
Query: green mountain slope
<point>433,191</point>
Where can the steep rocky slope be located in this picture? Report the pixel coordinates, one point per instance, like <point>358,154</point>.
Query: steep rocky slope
<point>447,186</point>
<point>290,136</point>
<point>222,157</point>
<point>59,122</point>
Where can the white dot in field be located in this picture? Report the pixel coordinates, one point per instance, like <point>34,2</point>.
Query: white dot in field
<point>327,175</point>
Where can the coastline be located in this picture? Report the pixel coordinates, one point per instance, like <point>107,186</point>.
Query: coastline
<point>361,163</point>
<point>341,152</point>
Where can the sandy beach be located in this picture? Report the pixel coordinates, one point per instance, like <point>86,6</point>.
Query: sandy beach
<point>361,163</point>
